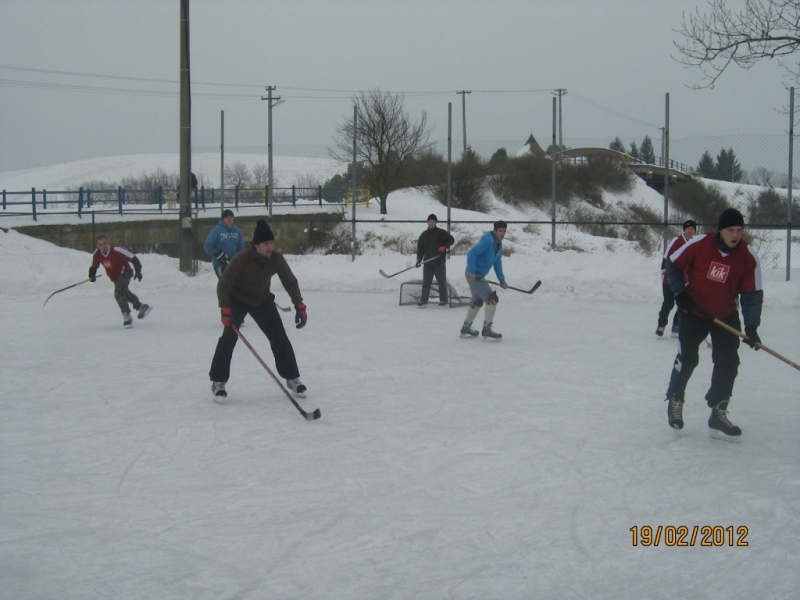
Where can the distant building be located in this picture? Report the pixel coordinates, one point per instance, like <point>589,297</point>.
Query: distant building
<point>534,147</point>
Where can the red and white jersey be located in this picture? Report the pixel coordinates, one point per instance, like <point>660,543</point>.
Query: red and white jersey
<point>117,261</point>
<point>716,278</point>
<point>676,243</point>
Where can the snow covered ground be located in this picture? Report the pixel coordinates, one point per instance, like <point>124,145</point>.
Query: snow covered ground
<point>441,467</point>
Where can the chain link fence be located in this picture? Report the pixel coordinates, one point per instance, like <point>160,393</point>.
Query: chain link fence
<point>306,179</point>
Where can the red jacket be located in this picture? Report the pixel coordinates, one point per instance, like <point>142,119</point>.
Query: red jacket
<point>676,243</point>
<point>116,262</point>
<point>715,278</point>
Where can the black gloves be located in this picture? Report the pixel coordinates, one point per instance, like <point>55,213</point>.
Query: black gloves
<point>685,302</point>
<point>92,274</point>
<point>138,275</point>
<point>300,316</point>
<point>751,331</point>
<point>222,258</point>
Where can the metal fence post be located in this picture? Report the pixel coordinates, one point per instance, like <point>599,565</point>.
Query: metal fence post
<point>33,203</point>
<point>789,190</point>
<point>119,198</point>
<point>319,191</point>
<point>44,199</point>
<point>294,196</point>
<point>80,203</point>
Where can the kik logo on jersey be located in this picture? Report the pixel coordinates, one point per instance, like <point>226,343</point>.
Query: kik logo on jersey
<point>718,272</point>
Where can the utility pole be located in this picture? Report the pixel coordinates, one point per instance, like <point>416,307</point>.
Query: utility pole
<point>186,239</point>
<point>560,92</point>
<point>272,101</point>
<point>464,113</point>
<point>222,160</point>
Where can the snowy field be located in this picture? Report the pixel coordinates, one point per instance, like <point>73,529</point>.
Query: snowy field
<point>441,467</point>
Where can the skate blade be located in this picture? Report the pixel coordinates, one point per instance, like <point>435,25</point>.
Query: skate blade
<point>219,399</point>
<point>719,435</point>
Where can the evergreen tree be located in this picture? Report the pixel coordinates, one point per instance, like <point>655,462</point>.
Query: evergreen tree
<point>634,151</point>
<point>728,167</point>
<point>617,145</point>
<point>647,154</point>
<point>706,166</point>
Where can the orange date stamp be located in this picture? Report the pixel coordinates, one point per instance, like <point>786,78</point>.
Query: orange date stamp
<point>696,535</point>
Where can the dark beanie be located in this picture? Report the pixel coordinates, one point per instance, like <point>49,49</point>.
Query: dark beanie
<point>432,217</point>
<point>262,233</point>
<point>730,217</point>
<point>227,213</point>
<point>689,223</point>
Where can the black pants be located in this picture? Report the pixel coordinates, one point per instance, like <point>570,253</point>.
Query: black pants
<point>268,319</point>
<point>724,353</point>
<point>123,294</point>
<point>438,269</point>
<point>666,307</point>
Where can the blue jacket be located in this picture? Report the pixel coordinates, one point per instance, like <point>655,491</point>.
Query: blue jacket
<point>227,239</point>
<point>484,255</point>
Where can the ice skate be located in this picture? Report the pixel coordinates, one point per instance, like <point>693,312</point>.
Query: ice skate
<point>675,331</point>
<point>720,427</point>
<point>490,334</point>
<point>297,387</point>
<point>660,330</point>
<point>675,412</point>
<point>218,391</point>
<point>144,310</point>
<point>468,332</point>
<point>127,320</point>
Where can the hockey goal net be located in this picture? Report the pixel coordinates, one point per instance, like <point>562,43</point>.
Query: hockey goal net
<point>411,292</point>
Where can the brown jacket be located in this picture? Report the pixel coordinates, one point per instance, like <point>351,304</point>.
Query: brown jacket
<point>247,277</point>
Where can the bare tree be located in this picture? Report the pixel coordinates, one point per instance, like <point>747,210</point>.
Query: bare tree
<point>763,29</point>
<point>385,139</point>
<point>238,175</point>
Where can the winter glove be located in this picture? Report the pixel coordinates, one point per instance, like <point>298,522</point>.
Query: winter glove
<point>225,311</point>
<point>92,274</point>
<point>222,258</point>
<point>685,302</point>
<point>442,249</point>
<point>752,336</point>
<point>138,275</point>
<point>300,316</point>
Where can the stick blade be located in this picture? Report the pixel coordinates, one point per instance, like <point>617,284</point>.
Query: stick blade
<point>384,274</point>
<point>535,286</point>
<point>313,416</point>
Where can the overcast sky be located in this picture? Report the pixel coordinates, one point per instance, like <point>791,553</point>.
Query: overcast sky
<point>91,78</point>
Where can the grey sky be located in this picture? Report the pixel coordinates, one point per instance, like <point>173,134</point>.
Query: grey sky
<point>613,57</point>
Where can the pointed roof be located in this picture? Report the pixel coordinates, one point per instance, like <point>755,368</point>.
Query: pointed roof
<point>534,146</point>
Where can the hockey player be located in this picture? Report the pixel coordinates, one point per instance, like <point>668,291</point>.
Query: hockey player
<point>223,242</point>
<point>708,275</point>
<point>689,229</point>
<point>244,288</point>
<point>433,244</point>
<point>121,266</point>
<point>482,257</point>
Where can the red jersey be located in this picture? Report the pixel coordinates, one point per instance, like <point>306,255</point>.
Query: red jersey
<point>716,278</point>
<point>671,247</point>
<point>116,262</point>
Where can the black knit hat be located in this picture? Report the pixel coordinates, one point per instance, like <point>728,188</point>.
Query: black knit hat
<point>432,217</point>
<point>262,233</point>
<point>689,223</point>
<point>227,213</point>
<point>730,217</point>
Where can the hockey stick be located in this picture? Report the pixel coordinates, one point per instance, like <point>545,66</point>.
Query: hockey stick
<point>283,308</point>
<point>530,291</point>
<point>759,344</point>
<point>409,268</point>
<point>312,416</point>
<point>68,287</point>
